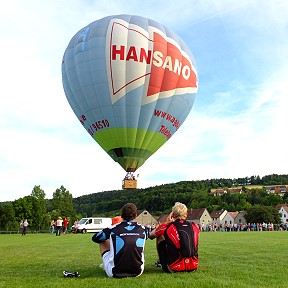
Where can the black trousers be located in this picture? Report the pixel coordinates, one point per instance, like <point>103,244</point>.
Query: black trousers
<point>58,230</point>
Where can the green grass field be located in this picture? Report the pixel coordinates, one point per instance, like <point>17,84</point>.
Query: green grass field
<point>226,259</point>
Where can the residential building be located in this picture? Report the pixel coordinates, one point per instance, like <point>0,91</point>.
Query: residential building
<point>284,214</point>
<point>240,219</point>
<point>199,216</point>
<point>145,218</point>
<point>218,192</point>
<point>217,216</point>
<point>279,189</point>
<point>229,219</point>
<point>235,190</point>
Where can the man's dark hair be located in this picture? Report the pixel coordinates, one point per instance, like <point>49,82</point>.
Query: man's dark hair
<point>129,211</point>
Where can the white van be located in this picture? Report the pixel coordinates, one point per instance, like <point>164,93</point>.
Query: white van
<point>93,224</point>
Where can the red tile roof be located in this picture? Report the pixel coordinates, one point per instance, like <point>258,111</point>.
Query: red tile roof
<point>233,214</point>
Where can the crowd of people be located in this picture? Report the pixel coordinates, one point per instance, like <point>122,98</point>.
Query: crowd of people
<point>244,227</point>
<point>58,226</point>
<point>61,226</point>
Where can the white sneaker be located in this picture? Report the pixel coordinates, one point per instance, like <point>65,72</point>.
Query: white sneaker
<point>101,266</point>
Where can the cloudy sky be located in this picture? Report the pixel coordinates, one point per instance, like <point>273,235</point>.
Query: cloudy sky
<point>237,126</point>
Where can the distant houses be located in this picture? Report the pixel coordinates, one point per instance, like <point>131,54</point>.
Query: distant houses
<point>219,192</point>
<point>220,218</point>
<point>278,189</point>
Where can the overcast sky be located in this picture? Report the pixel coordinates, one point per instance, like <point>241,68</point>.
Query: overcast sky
<point>236,128</point>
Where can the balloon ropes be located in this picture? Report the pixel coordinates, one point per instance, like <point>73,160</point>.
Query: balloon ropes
<point>131,83</point>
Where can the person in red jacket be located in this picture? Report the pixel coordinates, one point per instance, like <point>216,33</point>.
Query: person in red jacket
<point>177,241</point>
<point>65,225</point>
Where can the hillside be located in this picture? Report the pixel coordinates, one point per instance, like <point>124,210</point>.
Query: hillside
<point>195,194</point>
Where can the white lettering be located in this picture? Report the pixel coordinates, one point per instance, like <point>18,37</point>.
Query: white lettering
<point>129,234</point>
<point>177,66</point>
<point>168,63</point>
<point>157,58</point>
<point>186,72</point>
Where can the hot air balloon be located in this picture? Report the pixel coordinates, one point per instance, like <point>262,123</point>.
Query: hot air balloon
<point>131,83</point>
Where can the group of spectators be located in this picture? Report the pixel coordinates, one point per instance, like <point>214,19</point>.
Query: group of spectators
<point>61,225</point>
<point>244,227</point>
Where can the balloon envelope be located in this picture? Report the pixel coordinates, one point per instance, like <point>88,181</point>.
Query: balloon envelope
<point>131,82</point>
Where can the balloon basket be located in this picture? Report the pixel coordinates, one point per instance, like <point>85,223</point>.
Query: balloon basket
<point>129,182</point>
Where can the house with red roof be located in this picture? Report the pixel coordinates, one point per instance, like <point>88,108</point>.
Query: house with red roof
<point>218,192</point>
<point>229,220</point>
<point>240,218</point>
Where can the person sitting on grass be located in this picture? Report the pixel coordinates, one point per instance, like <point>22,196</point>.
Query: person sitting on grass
<point>177,241</point>
<point>122,245</point>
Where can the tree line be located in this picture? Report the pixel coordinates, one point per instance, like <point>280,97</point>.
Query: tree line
<point>38,210</point>
<point>157,200</point>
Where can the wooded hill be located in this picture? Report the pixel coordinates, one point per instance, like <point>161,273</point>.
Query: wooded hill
<point>195,194</point>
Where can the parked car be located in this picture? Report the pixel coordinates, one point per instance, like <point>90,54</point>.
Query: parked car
<point>92,224</point>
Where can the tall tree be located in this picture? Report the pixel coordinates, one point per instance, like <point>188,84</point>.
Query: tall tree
<point>63,202</point>
<point>39,208</point>
<point>24,209</point>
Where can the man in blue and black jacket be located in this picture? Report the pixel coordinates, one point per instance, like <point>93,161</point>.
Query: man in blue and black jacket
<point>122,245</point>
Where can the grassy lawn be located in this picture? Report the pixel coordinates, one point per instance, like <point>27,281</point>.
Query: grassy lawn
<point>226,259</point>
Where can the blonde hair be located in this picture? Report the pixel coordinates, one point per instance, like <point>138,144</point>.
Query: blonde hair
<point>179,211</point>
